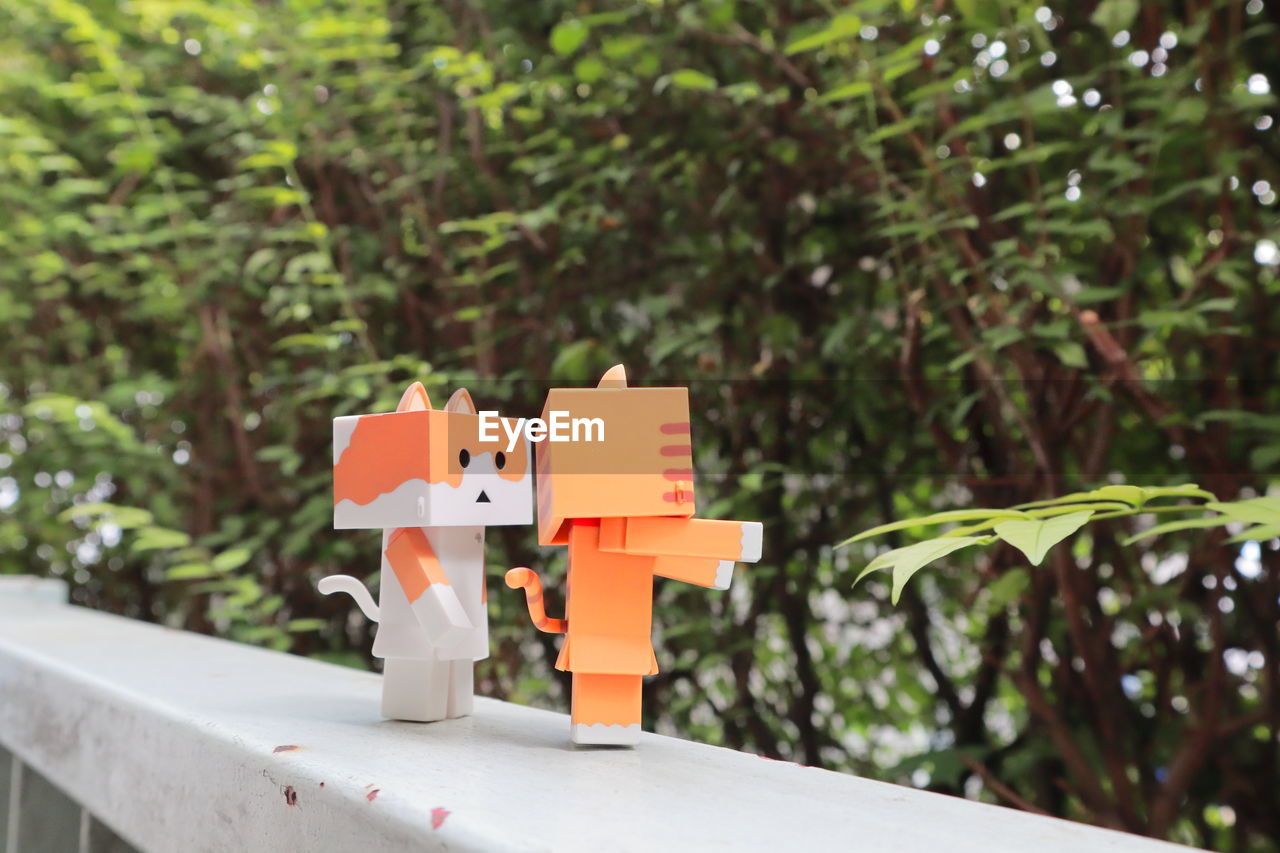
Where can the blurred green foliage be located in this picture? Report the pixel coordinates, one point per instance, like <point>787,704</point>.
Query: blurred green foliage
<point>909,255</point>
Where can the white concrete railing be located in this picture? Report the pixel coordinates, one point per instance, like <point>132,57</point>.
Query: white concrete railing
<point>180,742</point>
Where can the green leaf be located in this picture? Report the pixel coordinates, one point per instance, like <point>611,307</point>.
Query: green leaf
<point>897,69</point>
<point>1112,16</point>
<point>568,36</point>
<point>1190,490</point>
<point>231,559</point>
<point>83,510</point>
<point>572,362</point>
<point>688,78</point>
<point>1035,538</point>
<point>841,27</point>
<point>1064,500</point>
<point>1257,533</point>
<point>911,559</point>
<point>1180,524</point>
<point>620,47</point>
<point>153,538</point>
<point>936,518</point>
<point>848,90</point>
<point>307,340</point>
<point>1071,354</point>
<point>1132,495</point>
<point>1254,511</point>
<point>589,69</point>
<point>981,13</point>
<point>124,517</point>
<point>1046,512</point>
<point>189,571</point>
<point>1263,458</point>
<point>1008,588</point>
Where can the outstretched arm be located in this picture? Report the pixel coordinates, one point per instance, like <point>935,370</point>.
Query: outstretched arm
<point>703,571</point>
<point>693,550</point>
<point>426,585</point>
<point>683,537</point>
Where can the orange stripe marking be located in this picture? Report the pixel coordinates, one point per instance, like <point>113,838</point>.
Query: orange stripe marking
<point>414,562</point>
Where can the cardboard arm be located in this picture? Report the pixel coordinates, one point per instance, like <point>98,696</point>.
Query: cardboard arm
<point>425,584</point>
<point>703,571</point>
<point>682,537</point>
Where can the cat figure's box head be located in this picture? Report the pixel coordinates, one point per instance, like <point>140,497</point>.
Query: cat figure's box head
<point>641,466</point>
<point>422,467</point>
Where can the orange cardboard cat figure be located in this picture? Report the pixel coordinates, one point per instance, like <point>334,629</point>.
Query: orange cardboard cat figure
<point>623,502</point>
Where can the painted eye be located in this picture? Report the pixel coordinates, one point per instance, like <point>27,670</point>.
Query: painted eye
<point>464,458</point>
<point>500,460</point>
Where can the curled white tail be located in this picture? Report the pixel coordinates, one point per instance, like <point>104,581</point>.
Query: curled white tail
<point>353,588</point>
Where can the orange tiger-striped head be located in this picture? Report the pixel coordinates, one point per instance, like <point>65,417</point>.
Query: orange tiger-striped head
<point>643,467</point>
<point>422,467</point>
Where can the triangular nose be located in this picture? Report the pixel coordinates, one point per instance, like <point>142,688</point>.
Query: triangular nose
<point>483,499</point>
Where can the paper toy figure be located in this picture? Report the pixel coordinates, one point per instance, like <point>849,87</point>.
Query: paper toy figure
<point>624,506</point>
<point>431,485</point>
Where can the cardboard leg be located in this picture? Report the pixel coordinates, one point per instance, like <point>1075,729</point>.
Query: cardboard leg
<point>416,690</point>
<point>606,709</point>
<point>461,687</point>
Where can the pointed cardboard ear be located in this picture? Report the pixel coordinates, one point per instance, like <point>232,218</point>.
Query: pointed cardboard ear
<point>461,403</point>
<point>614,377</point>
<point>414,399</point>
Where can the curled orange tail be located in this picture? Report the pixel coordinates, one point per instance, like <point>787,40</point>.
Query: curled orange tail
<point>528,580</point>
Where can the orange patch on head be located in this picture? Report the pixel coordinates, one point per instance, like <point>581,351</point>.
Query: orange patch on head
<point>385,451</point>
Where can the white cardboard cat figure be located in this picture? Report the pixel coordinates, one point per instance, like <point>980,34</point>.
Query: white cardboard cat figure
<point>431,485</point>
